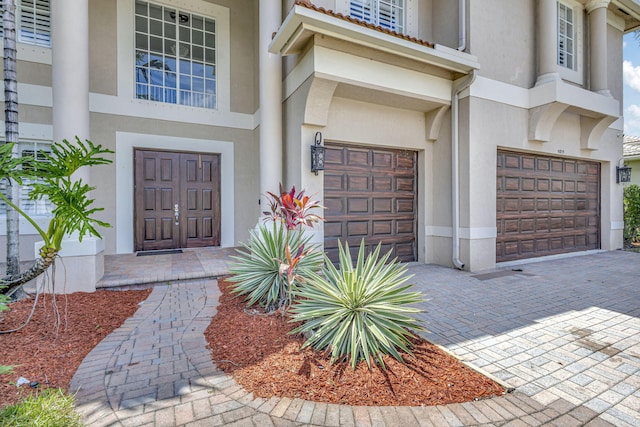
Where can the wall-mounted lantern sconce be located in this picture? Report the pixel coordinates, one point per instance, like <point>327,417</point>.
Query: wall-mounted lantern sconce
<point>623,174</point>
<point>317,154</point>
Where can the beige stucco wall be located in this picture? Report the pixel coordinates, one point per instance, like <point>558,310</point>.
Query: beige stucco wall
<point>502,36</point>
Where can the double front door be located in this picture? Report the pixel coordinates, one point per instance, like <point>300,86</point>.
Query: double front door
<point>177,200</point>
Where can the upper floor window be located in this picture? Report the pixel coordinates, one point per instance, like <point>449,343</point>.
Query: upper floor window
<point>43,206</point>
<point>566,37</point>
<point>33,20</point>
<point>389,14</point>
<point>175,57</point>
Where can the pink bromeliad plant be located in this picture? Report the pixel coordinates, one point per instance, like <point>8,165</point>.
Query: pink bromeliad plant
<point>279,256</point>
<point>294,210</point>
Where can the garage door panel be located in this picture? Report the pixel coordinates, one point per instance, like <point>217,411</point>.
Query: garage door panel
<point>333,156</point>
<point>380,200</point>
<point>358,206</point>
<point>335,183</point>
<point>358,183</point>
<point>382,183</point>
<point>405,184</point>
<point>382,160</point>
<point>358,158</point>
<point>382,205</point>
<point>546,205</point>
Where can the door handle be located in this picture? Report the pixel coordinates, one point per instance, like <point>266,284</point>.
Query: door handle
<point>176,213</point>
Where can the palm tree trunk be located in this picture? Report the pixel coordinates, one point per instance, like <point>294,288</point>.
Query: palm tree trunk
<point>11,130</point>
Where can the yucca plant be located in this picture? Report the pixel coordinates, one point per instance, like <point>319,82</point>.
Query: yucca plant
<point>277,259</point>
<point>361,312</point>
<point>264,272</point>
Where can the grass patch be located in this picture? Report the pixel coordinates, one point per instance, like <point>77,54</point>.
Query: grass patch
<point>50,408</point>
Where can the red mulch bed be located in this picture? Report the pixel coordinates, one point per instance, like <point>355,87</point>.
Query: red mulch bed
<point>261,356</point>
<point>49,356</point>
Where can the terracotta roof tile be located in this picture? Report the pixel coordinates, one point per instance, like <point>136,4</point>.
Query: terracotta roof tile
<point>309,5</point>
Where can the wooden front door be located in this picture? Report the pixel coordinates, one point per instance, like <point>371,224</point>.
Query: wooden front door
<point>177,200</point>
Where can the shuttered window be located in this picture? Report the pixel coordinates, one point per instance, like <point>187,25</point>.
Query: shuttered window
<point>566,36</point>
<point>34,22</point>
<point>31,207</point>
<point>384,13</point>
<point>175,56</point>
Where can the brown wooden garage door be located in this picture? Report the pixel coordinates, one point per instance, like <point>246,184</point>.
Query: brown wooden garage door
<point>370,193</point>
<point>546,205</point>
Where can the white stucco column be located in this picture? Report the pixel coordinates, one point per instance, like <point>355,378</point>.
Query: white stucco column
<point>84,261</point>
<point>547,41</point>
<point>270,100</point>
<point>597,11</point>
<point>70,70</point>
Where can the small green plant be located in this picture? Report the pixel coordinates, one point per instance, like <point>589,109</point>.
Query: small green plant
<point>261,272</point>
<point>73,212</point>
<point>631,214</point>
<point>48,408</point>
<point>277,259</point>
<point>360,312</point>
<point>6,369</point>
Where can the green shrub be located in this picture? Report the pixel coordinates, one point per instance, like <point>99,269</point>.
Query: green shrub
<point>358,313</point>
<point>631,214</point>
<point>49,408</point>
<point>259,272</point>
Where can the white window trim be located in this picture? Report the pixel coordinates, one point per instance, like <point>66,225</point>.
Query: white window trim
<point>126,56</point>
<point>411,15</point>
<point>576,75</point>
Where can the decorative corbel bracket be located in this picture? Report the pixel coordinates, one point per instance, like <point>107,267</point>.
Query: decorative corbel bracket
<point>316,112</point>
<point>542,119</point>
<point>591,130</point>
<point>433,122</point>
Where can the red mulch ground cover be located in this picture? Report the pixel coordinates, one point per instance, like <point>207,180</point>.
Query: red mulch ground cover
<point>261,356</point>
<point>51,356</point>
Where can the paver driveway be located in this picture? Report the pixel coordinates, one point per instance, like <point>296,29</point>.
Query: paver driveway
<point>565,329</point>
<point>564,333</point>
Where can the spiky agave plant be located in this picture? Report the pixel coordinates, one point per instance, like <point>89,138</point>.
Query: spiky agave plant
<point>278,258</point>
<point>266,272</point>
<point>358,313</point>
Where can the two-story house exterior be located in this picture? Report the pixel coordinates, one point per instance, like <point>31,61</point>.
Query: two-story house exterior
<point>464,133</point>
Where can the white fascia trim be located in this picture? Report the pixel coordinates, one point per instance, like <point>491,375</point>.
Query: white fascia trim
<point>557,91</point>
<point>127,106</point>
<point>125,143</point>
<point>31,53</point>
<point>345,68</point>
<point>34,131</point>
<point>474,233</point>
<point>25,227</point>
<point>40,96</point>
<point>617,225</point>
<point>302,21</point>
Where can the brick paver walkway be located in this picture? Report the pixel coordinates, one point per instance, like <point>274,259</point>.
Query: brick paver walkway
<point>565,334</point>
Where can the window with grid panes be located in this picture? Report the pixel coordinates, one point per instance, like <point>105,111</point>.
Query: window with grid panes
<point>384,13</point>
<point>175,56</point>
<point>33,24</point>
<point>33,208</point>
<point>566,36</point>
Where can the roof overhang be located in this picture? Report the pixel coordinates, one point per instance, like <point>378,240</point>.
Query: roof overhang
<point>302,23</point>
<point>630,11</point>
